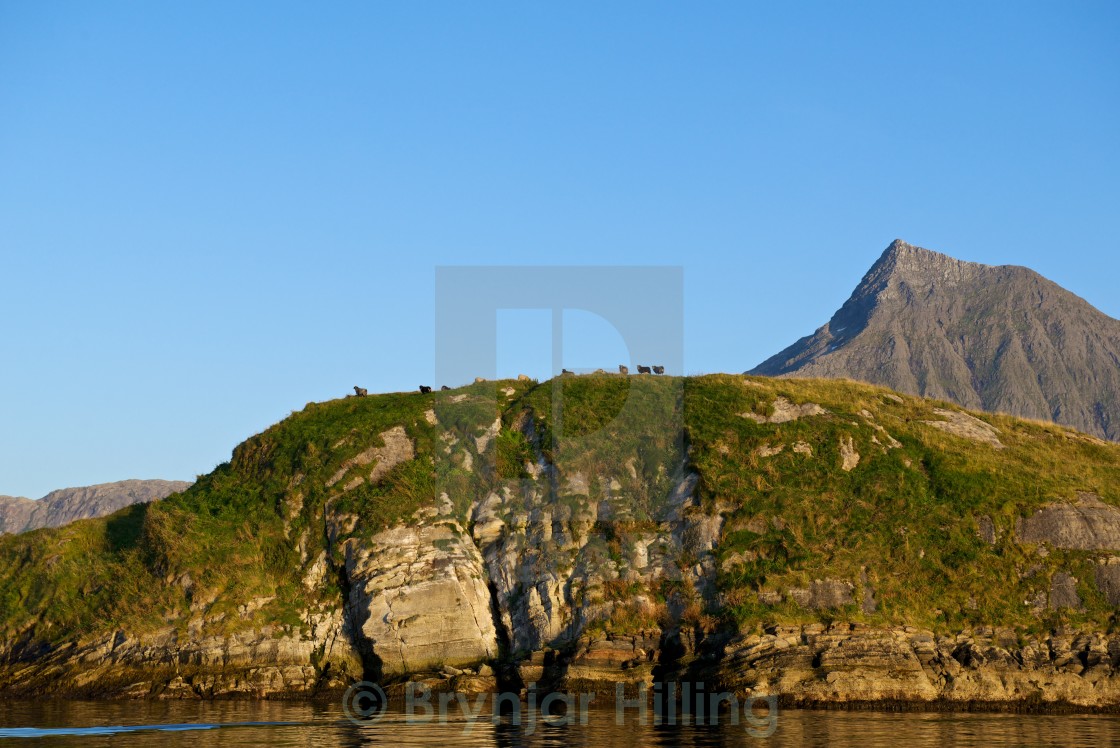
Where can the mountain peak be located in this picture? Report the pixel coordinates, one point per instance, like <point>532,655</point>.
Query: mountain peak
<point>901,250</point>
<point>901,270</point>
<point>1002,339</point>
<point>919,266</point>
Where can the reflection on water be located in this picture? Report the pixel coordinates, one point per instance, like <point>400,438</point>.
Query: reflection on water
<point>198,725</point>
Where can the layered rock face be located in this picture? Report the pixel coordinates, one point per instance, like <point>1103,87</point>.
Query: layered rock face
<point>1001,339</point>
<point>419,599</point>
<point>848,547</point>
<point>842,663</point>
<point>1088,524</point>
<point>270,661</point>
<point>548,561</point>
<point>577,560</point>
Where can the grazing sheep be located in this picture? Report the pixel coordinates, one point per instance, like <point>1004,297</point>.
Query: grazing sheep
<point>425,390</point>
<point>359,392</point>
<point>445,388</point>
<point>565,371</point>
<point>623,370</point>
<point>659,370</point>
<point>644,369</point>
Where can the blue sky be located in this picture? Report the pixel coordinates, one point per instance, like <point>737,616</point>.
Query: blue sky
<point>213,213</point>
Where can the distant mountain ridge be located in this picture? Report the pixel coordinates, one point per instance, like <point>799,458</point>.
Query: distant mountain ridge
<point>996,338</point>
<point>69,504</point>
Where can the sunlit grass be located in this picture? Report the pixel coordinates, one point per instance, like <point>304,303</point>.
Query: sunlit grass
<point>906,517</point>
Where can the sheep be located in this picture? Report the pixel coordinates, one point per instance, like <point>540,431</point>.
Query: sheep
<point>444,388</point>
<point>565,371</point>
<point>425,390</point>
<point>659,370</point>
<point>623,370</point>
<point>359,392</point>
<point>644,369</point>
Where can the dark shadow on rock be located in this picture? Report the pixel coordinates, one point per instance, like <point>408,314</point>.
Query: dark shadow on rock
<point>353,619</point>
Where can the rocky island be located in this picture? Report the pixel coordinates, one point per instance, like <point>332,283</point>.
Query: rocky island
<point>826,541</point>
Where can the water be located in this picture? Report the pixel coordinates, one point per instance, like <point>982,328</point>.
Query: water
<point>198,725</point>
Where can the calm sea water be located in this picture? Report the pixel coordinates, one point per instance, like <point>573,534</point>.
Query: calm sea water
<point>197,725</point>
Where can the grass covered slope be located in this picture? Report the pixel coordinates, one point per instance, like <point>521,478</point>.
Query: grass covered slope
<point>893,498</point>
<point>907,517</point>
<point>232,537</point>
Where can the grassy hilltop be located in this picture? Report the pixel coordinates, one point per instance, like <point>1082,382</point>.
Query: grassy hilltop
<point>814,480</point>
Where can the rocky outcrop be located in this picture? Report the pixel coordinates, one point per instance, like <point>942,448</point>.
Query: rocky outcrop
<point>823,594</point>
<point>396,448</point>
<point>598,661</point>
<point>986,529</point>
<point>1063,592</point>
<point>849,457</point>
<point>471,551</point>
<point>553,569</point>
<point>573,572</point>
<point>965,426</point>
<point>851,664</point>
<point>1107,579</point>
<point>269,661</point>
<point>1088,525</point>
<point>785,411</point>
<point>419,600</point>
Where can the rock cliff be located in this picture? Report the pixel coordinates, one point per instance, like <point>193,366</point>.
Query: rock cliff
<point>830,542</point>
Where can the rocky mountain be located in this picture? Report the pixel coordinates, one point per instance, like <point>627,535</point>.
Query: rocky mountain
<point>1001,339</point>
<point>15,513</point>
<point>825,541</point>
<point>69,504</point>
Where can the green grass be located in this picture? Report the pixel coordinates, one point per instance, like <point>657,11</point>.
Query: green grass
<point>907,515</point>
<point>252,527</point>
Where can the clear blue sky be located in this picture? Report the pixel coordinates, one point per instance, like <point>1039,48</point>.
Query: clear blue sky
<point>213,213</point>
